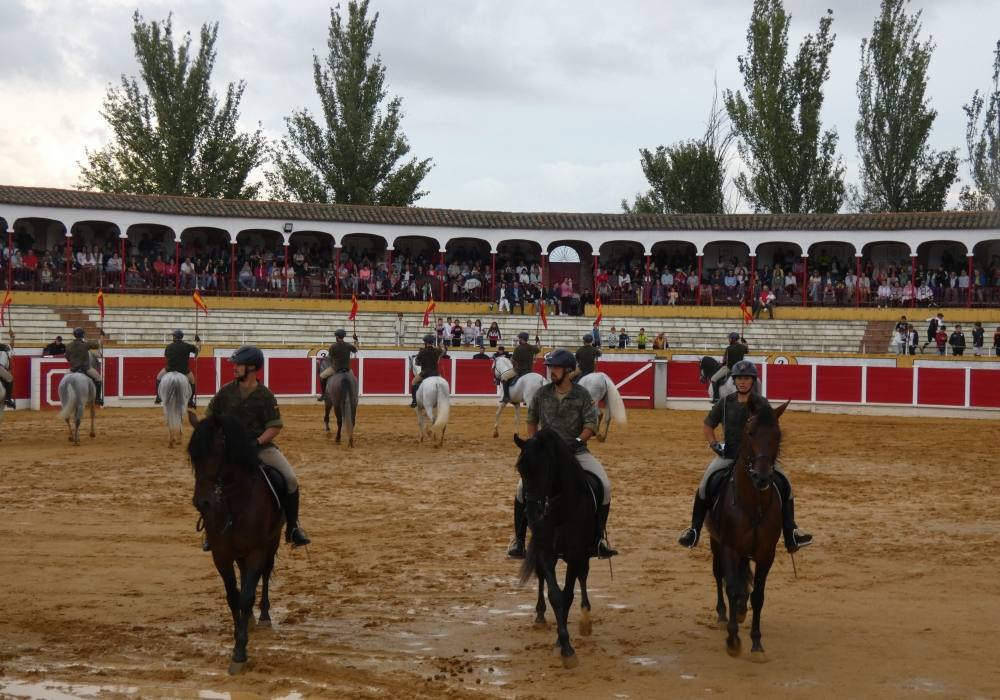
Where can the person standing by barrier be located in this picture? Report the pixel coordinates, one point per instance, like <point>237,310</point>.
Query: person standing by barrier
<point>400,328</point>
<point>978,336</point>
<point>957,341</point>
<point>933,323</point>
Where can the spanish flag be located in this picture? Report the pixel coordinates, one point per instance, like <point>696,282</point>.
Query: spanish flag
<point>100,302</point>
<point>429,310</point>
<point>600,311</point>
<point>199,302</point>
<point>541,313</point>
<point>3,307</point>
<point>354,308</point>
<point>747,316</point>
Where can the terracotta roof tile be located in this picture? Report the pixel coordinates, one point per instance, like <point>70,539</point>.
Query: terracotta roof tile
<point>422,216</point>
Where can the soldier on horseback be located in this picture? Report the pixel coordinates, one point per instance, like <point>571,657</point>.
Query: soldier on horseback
<point>78,357</point>
<point>178,354</point>
<point>253,405</point>
<point>339,355</point>
<point>567,409</point>
<point>427,360</point>
<point>523,359</point>
<point>733,414</point>
<point>6,377</point>
<point>734,353</point>
<point>586,358</point>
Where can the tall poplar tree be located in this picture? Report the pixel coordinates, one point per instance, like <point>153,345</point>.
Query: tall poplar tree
<point>982,136</point>
<point>172,135</point>
<point>354,157</point>
<point>899,171</point>
<point>793,165</point>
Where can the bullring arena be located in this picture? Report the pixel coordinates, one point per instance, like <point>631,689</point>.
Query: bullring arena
<point>406,591</point>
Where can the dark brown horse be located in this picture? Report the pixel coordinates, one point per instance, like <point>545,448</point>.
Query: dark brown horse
<point>561,507</point>
<point>241,516</point>
<point>745,523</point>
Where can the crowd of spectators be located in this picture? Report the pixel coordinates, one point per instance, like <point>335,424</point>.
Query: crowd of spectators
<point>466,275</point>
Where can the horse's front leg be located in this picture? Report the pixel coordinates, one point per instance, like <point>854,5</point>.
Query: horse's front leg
<point>735,586</point>
<point>604,416</point>
<point>496,419</point>
<point>517,416</point>
<point>250,575</point>
<point>340,424</point>
<point>69,427</point>
<point>265,600</point>
<point>559,609</point>
<point>326,416</point>
<point>93,414</point>
<point>225,569</point>
<point>586,627</point>
<point>757,599</point>
<point>540,605</point>
<point>719,575</point>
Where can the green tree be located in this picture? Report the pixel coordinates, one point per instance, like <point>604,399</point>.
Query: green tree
<point>899,171</point>
<point>174,137</point>
<point>355,158</point>
<point>793,165</point>
<point>984,145</point>
<point>688,177</point>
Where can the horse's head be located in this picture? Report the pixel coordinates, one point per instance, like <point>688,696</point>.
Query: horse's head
<point>538,466</point>
<point>500,365</point>
<point>762,440</point>
<point>220,450</point>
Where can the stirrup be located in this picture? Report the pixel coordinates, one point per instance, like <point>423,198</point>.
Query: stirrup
<point>319,398</point>
<point>205,546</point>
<point>516,548</point>
<point>157,401</point>
<point>800,539</point>
<point>689,538</point>
<point>297,537</point>
<point>604,550</point>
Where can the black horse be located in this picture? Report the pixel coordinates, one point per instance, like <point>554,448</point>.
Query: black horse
<point>241,515</point>
<point>561,506</point>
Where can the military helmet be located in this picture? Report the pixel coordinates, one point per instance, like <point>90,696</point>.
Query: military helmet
<point>743,368</point>
<point>734,336</point>
<point>588,338</point>
<point>429,339</point>
<point>560,357</point>
<point>78,333</point>
<point>178,334</point>
<point>248,355</point>
<point>523,335</point>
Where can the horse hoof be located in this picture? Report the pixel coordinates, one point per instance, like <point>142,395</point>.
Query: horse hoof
<point>722,623</point>
<point>496,433</point>
<point>733,648</point>
<point>758,656</point>
<point>236,667</point>
<point>601,438</point>
<point>337,441</point>
<point>264,624</point>
<point>570,661</point>
<point>93,435</point>
<point>540,620</point>
<point>586,626</point>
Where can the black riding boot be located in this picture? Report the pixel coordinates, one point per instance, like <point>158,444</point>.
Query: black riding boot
<point>506,391</point>
<point>193,401</point>
<point>795,538</point>
<point>99,400</point>
<point>516,548</point>
<point>9,400</point>
<point>413,395</point>
<point>293,533</point>
<point>689,538</point>
<point>715,392</point>
<point>156,393</point>
<point>604,550</point>
<point>322,388</point>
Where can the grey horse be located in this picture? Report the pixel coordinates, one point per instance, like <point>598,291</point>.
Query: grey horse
<point>76,391</point>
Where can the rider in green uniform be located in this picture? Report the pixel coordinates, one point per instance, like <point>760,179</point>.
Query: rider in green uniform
<point>340,359</point>
<point>732,413</point>
<point>523,360</point>
<point>734,353</point>
<point>256,408</point>
<point>586,358</point>
<point>567,409</point>
<point>178,355</point>
<point>427,359</point>
<point>78,357</point>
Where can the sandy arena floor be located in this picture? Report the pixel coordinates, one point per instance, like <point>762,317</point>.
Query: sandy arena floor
<point>406,592</point>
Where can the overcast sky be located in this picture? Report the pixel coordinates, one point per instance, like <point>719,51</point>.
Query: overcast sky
<point>524,105</point>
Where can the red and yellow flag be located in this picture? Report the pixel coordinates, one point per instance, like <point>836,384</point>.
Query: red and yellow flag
<point>100,302</point>
<point>747,316</point>
<point>600,312</point>
<point>429,310</point>
<point>354,308</point>
<point>199,302</point>
<point>541,313</point>
<point>3,307</point>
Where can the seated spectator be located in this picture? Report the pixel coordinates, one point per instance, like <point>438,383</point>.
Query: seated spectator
<point>55,348</point>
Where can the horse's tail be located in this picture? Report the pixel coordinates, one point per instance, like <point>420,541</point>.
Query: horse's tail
<point>173,401</point>
<point>68,399</point>
<point>615,403</point>
<point>529,566</point>
<point>443,406</point>
<point>347,404</point>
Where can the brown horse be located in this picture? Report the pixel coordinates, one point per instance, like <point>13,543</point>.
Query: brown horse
<point>745,523</point>
<point>241,516</point>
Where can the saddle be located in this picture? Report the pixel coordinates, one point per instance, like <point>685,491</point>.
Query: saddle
<point>716,484</point>
<point>596,489</point>
<point>275,483</point>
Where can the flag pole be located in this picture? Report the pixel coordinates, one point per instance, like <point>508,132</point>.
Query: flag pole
<point>197,336</point>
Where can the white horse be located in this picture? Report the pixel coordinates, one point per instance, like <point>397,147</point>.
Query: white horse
<point>174,393</point>
<point>77,391</point>
<point>523,391</point>
<point>432,396</point>
<point>602,388</point>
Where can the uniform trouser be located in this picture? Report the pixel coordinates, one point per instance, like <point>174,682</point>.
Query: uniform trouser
<point>272,457</point>
<point>720,463</point>
<point>590,464</point>
<point>5,375</point>
<point>326,373</point>
<point>721,374</point>
<point>94,374</point>
<point>162,372</point>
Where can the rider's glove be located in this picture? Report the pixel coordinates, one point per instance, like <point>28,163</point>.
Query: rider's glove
<point>718,448</point>
<point>576,445</point>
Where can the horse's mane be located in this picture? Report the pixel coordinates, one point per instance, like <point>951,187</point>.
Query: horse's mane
<point>559,454</point>
<point>237,444</point>
<point>762,411</point>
